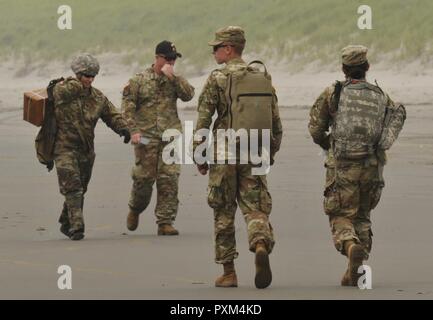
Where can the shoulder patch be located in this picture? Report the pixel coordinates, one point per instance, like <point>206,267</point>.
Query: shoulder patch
<point>140,76</point>
<point>220,78</point>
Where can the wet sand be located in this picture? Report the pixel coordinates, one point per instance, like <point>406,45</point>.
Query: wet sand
<point>114,263</point>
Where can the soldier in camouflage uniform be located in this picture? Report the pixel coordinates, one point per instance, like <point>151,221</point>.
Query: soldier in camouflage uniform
<point>233,184</point>
<point>149,106</point>
<point>353,184</point>
<point>78,107</point>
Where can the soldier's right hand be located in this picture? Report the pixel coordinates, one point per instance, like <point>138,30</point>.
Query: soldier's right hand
<point>135,138</point>
<point>326,143</point>
<point>168,70</point>
<point>203,168</point>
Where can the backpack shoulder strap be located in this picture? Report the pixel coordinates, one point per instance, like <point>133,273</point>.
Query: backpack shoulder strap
<point>377,85</point>
<point>49,112</point>
<point>51,86</point>
<point>335,98</point>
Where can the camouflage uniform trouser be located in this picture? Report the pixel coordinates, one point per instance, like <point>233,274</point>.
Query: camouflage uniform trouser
<point>230,185</point>
<point>352,191</point>
<point>149,167</point>
<point>74,170</point>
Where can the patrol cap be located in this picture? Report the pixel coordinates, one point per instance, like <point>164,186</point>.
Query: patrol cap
<point>167,49</point>
<point>354,55</point>
<point>232,34</point>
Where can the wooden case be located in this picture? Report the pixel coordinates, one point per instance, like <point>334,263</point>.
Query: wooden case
<point>34,106</point>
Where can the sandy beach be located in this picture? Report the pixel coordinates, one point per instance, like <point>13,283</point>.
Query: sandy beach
<point>114,263</point>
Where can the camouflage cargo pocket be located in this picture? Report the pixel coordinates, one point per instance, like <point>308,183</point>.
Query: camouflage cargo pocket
<point>332,200</point>
<point>215,197</point>
<point>265,198</point>
<point>375,194</point>
<point>136,169</point>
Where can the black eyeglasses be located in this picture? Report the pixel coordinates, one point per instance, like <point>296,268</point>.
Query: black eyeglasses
<point>215,48</point>
<point>88,75</point>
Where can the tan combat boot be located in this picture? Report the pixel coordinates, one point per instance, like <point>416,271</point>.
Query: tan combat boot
<point>165,229</point>
<point>263,269</point>
<point>132,221</point>
<point>356,255</point>
<point>229,278</point>
<point>346,281</point>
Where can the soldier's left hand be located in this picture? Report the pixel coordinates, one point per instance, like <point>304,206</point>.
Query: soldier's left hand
<point>50,165</point>
<point>127,136</point>
<point>168,70</point>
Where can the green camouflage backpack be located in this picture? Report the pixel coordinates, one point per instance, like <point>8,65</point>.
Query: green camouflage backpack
<point>358,121</point>
<point>46,138</point>
<point>249,94</point>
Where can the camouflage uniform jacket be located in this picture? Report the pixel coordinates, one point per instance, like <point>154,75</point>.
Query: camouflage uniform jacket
<point>321,117</point>
<point>213,99</point>
<point>149,103</point>
<point>77,111</point>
